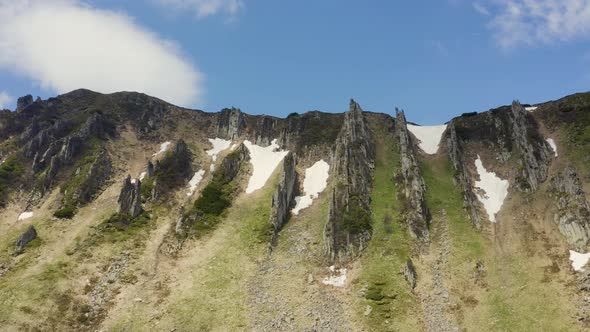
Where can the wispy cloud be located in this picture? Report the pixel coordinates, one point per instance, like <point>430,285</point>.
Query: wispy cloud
<point>204,8</point>
<point>480,8</point>
<point>532,22</point>
<point>64,45</point>
<point>5,99</point>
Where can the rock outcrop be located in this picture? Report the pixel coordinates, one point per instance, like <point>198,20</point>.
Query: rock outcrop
<point>230,122</point>
<point>29,235</point>
<point>130,198</point>
<point>173,171</point>
<point>353,160</point>
<point>282,199</point>
<point>416,212</point>
<point>23,102</point>
<point>573,210</point>
<point>536,153</point>
<point>409,272</point>
<point>98,174</point>
<point>455,151</point>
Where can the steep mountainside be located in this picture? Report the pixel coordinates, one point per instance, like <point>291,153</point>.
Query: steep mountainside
<point>123,212</point>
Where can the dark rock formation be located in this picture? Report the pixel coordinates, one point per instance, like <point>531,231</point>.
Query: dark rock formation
<point>130,198</point>
<point>536,153</point>
<point>573,210</point>
<point>29,235</point>
<point>282,199</point>
<point>230,122</point>
<point>23,102</point>
<point>353,160</point>
<point>409,272</point>
<point>417,213</point>
<point>98,174</point>
<point>455,151</point>
<point>150,170</point>
<point>45,137</point>
<point>172,171</point>
<point>232,163</point>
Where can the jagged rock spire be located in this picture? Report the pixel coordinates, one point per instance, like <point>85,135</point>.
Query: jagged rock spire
<point>130,197</point>
<point>418,215</point>
<point>348,227</point>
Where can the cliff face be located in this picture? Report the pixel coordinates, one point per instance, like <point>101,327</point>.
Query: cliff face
<point>230,123</point>
<point>573,210</point>
<point>536,153</point>
<point>282,199</point>
<point>130,198</point>
<point>417,214</point>
<point>349,218</point>
<point>462,177</point>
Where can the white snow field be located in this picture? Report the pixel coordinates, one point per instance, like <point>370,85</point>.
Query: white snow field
<point>142,176</point>
<point>429,136</point>
<point>264,161</point>
<point>194,182</point>
<point>25,215</point>
<point>163,148</point>
<point>337,277</point>
<point>530,108</point>
<point>579,260</point>
<point>553,145</point>
<point>495,189</point>
<point>219,144</point>
<point>316,180</point>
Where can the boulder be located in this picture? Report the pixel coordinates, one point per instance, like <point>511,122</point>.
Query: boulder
<point>29,235</point>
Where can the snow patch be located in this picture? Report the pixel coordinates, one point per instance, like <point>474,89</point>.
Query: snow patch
<point>429,136</point>
<point>530,108</point>
<point>316,180</point>
<point>194,182</point>
<point>579,260</point>
<point>553,145</point>
<point>211,168</point>
<point>163,148</point>
<point>264,161</point>
<point>142,176</point>
<point>495,189</point>
<point>233,146</point>
<point>219,144</point>
<point>25,215</point>
<point>337,277</point>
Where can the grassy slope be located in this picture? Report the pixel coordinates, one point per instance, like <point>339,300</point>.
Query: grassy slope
<point>388,249</point>
<point>515,297</point>
<point>212,296</point>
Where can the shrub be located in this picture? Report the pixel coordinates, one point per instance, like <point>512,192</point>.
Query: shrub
<point>67,212</point>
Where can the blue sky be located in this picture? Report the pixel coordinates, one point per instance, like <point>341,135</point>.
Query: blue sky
<point>435,59</point>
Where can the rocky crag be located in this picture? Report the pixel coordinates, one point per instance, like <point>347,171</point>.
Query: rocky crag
<point>416,212</point>
<point>573,210</point>
<point>349,227</point>
<point>283,197</point>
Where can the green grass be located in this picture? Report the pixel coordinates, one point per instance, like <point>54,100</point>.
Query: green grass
<point>515,297</point>
<point>393,305</point>
<point>9,171</point>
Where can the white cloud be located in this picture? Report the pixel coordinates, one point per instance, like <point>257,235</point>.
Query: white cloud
<point>5,99</point>
<point>64,45</point>
<point>203,8</point>
<point>480,8</point>
<point>533,22</point>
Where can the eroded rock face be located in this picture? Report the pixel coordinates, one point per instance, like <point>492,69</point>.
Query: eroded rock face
<point>23,102</point>
<point>232,163</point>
<point>536,153</point>
<point>409,272</point>
<point>172,171</point>
<point>417,213</point>
<point>353,160</point>
<point>230,123</point>
<point>455,151</point>
<point>573,209</point>
<point>29,235</point>
<point>282,199</point>
<point>130,198</point>
<point>98,174</point>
